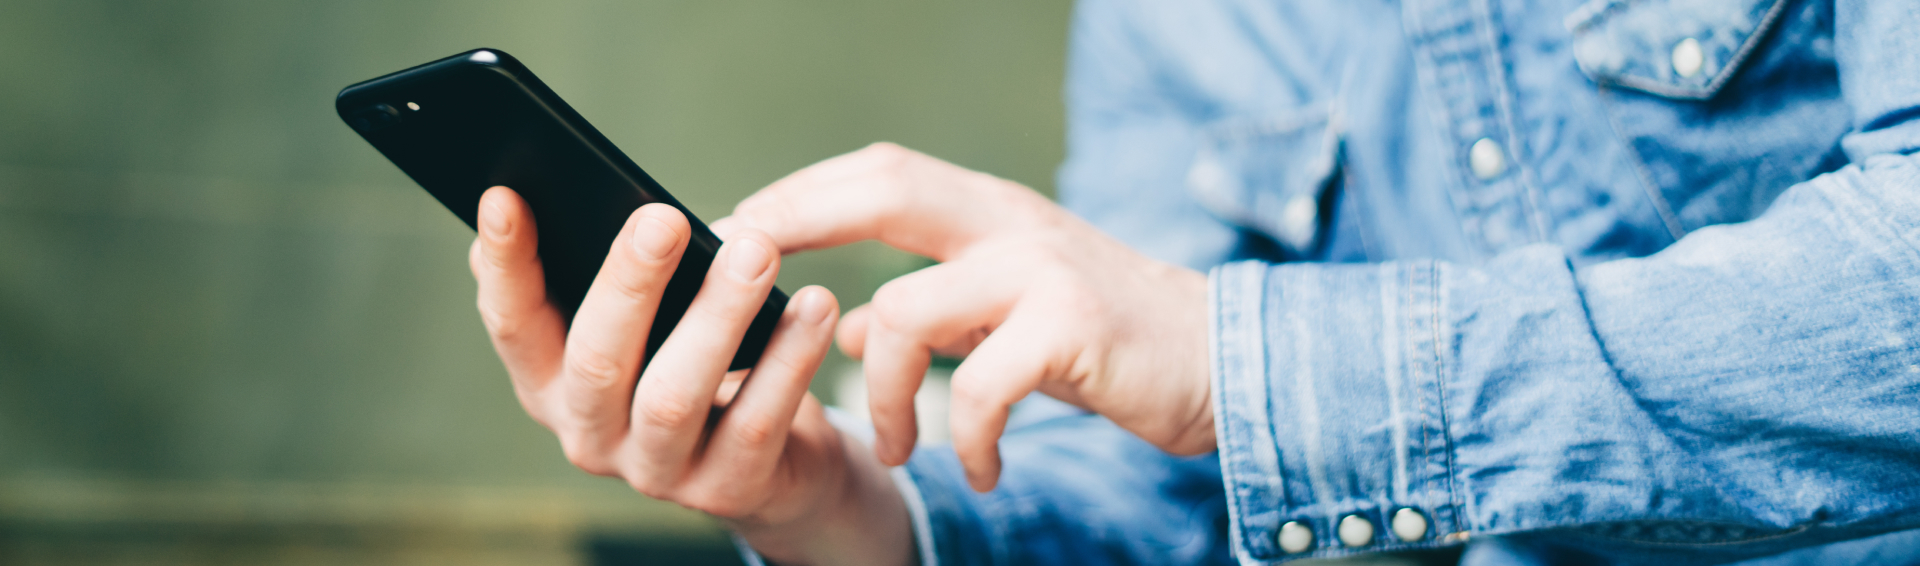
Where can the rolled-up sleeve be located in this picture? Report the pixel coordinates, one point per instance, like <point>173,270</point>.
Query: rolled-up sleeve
<point>1753,388</point>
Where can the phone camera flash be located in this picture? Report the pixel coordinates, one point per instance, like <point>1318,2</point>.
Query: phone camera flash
<point>414,106</point>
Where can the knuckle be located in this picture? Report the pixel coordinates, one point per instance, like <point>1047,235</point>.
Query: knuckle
<point>593,367</point>
<point>890,164</point>
<point>582,455</point>
<point>781,363</point>
<point>970,399</point>
<point>762,205</point>
<point>641,279</point>
<point>503,327</point>
<point>755,430</point>
<point>490,315</point>
<point>1022,202</point>
<point>493,252</point>
<point>638,282</point>
<point>666,411</point>
<point>777,213</point>
<point>1071,295</point>
<point>886,153</point>
<point>977,403</point>
<point>893,305</point>
<point>718,504</point>
<point>733,309</point>
<point>1080,304</point>
<point>535,409</point>
<point>651,487</point>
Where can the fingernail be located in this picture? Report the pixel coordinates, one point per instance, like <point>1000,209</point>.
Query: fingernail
<point>747,260</point>
<point>813,307</point>
<point>652,239</point>
<point>981,484</point>
<point>494,220</point>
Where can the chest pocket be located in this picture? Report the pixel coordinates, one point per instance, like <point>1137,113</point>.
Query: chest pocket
<point>1270,174</point>
<point>1724,104</point>
<point>1682,49</point>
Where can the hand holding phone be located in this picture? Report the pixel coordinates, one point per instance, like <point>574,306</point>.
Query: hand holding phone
<point>481,119</point>
<point>769,464</point>
<point>618,315</point>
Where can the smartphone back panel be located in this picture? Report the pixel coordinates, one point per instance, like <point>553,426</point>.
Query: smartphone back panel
<point>463,124</point>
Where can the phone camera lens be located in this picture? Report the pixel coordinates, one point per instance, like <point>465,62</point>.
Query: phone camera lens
<point>375,118</point>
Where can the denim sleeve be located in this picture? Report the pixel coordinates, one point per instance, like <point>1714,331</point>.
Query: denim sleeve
<point>1753,388</point>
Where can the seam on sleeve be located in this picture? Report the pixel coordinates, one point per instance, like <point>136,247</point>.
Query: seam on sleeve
<point>1249,460</point>
<point>1440,332</point>
<point>1394,377</point>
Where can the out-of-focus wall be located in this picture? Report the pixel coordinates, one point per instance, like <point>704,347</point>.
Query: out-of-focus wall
<point>230,332</point>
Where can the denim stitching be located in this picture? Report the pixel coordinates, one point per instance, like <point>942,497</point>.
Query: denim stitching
<point>1727,71</point>
<point>1503,100</point>
<point>1429,82</point>
<point>1391,374</point>
<point>1412,324</point>
<point>1306,399</point>
<point>1654,193</point>
<point>1229,459</point>
<point>1439,372</point>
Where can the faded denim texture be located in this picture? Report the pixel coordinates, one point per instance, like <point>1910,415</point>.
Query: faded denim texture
<point>1678,324</point>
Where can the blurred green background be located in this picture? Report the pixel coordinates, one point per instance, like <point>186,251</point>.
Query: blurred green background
<point>231,333</point>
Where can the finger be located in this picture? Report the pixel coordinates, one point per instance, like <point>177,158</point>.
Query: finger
<point>895,364</point>
<point>526,330</point>
<point>676,394</point>
<point>950,307</point>
<point>852,334</point>
<point>729,387</point>
<point>889,193</point>
<point>748,439</point>
<point>1008,365</point>
<point>609,333</point>
<point>946,308</point>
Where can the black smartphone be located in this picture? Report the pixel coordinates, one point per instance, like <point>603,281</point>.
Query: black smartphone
<point>463,124</point>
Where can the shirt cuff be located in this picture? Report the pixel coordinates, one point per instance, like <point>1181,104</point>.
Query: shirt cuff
<point>1327,403</point>
<point>903,481</point>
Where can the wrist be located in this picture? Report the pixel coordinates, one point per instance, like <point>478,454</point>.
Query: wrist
<point>860,519</point>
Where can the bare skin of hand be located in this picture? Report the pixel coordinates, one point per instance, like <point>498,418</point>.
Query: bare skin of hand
<point>759,454</point>
<point>1033,297</point>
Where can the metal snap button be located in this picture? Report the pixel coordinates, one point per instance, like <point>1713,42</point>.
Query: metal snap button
<point>1409,524</point>
<point>1300,221</point>
<point>1356,531</point>
<point>1688,58</point>
<point>1295,537</point>
<point>1487,159</point>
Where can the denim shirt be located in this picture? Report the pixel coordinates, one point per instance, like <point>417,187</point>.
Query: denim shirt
<point>1617,281</point>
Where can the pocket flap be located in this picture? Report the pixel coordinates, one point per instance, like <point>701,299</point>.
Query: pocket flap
<point>1674,48</point>
<point>1269,174</point>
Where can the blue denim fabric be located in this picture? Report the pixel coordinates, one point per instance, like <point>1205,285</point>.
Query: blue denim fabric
<point>1679,323</point>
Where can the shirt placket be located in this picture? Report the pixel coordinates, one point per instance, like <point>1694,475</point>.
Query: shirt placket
<point>1457,55</point>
